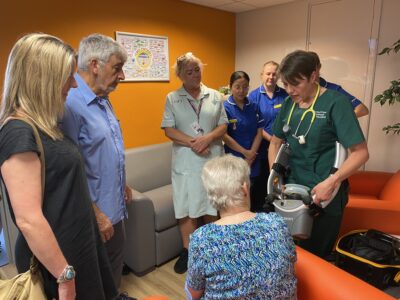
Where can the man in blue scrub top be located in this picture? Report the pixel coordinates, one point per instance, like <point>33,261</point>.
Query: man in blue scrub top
<point>89,120</point>
<point>359,108</point>
<point>268,99</point>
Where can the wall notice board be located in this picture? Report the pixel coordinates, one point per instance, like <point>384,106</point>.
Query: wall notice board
<point>147,56</point>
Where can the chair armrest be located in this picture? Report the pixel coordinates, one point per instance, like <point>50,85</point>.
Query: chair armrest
<point>140,249</point>
<point>368,182</point>
<point>318,279</point>
<point>366,214</point>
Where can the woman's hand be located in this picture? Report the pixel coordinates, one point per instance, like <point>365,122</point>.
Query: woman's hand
<point>249,155</point>
<point>66,290</point>
<point>199,144</point>
<point>205,152</point>
<point>323,191</point>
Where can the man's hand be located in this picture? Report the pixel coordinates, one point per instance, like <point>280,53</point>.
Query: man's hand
<point>128,195</point>
<point>105,226</point>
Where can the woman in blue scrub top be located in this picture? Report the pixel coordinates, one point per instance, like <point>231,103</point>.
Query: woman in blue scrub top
<point>244,133</point>
<point>268,98</point>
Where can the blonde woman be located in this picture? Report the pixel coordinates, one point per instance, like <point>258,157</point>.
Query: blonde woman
<point>62,232</point>
<point>195,120</point>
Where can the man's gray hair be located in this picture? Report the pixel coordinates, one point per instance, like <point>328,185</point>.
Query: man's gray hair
<point>223,178</point>
<point>100,47</point>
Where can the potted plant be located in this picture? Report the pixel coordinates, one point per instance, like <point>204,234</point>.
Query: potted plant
<point>392,94</point>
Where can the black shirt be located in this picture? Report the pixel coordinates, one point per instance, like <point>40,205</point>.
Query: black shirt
<point>68,209</point>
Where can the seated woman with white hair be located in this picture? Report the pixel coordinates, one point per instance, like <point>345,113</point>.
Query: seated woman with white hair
<point>243,255</point>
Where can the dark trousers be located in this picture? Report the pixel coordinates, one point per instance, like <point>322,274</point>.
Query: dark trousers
<point>326,226</point>
<point>115,251</point>
<point>258,189</point>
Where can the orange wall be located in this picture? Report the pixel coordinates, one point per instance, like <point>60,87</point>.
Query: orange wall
<point>208,33</point>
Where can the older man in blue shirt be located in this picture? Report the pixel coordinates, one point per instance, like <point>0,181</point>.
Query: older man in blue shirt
<point>89,120</point>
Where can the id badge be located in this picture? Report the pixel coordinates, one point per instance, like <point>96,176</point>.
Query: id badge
<point>196,128</point>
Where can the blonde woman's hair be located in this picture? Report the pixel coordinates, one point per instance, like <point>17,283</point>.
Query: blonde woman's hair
<point>223,178</point>
<point>183,60</point>
<point>38,67</point>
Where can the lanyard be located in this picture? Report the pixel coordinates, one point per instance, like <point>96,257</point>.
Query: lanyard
<point>309,110</point>
<point>196,111</point>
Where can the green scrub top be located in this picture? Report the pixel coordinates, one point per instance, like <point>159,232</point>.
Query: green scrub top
<point>310,163</point>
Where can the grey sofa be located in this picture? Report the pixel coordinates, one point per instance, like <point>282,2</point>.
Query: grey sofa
<point>152,233</point>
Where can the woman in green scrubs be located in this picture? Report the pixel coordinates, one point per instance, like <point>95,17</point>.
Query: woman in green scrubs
<point>311,120</point>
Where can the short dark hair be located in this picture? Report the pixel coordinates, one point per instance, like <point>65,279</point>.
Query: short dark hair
<point>316,59</point>
<point>297,65</point>
<point>237,75</point>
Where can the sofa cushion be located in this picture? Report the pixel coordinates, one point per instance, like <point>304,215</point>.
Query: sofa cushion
<point>148,167</point>
<point>391,190</point>
<point>164,214</point>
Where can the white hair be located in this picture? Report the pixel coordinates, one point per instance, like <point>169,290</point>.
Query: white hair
<point>100,47</point>
<point>223,178</point>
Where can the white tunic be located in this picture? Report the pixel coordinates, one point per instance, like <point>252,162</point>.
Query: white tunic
<point>190,198</point>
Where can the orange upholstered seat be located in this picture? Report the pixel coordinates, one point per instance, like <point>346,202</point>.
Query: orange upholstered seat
<point>374,202</point>
<point>318,279</point>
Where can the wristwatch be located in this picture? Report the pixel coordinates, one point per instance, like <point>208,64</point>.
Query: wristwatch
<point>67,274</point>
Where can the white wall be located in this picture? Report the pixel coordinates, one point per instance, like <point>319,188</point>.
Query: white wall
<point>385,149</point>
<point>273,32</point>
<point>269,34</point>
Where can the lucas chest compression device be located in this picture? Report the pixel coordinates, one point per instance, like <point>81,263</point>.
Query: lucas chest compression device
<point>294,202</point>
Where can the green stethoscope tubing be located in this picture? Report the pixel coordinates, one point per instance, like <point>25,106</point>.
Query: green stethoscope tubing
<point>309,110</point>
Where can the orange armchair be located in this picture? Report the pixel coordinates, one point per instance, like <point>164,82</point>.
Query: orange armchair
<point>318,279</point>
<point>374,202</point>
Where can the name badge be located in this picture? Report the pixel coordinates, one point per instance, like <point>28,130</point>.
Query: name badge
<point>197,128</point>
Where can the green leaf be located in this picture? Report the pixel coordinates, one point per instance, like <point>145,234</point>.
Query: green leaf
<point>395,129</point>
<point>378,98</point>
<point>392,94</point>
<point>385,50</point>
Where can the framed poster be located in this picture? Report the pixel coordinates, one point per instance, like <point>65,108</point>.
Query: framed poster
<point>147,56</point>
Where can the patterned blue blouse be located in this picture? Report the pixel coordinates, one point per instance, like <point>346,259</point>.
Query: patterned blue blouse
<point>251,260</point>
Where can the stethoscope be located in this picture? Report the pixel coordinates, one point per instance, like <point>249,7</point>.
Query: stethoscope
<point>286,127</point>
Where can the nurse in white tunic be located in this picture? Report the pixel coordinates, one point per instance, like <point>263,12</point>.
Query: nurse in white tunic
<point>195,120</point>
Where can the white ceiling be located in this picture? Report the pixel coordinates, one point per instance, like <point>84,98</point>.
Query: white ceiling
<point>237,6</point>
